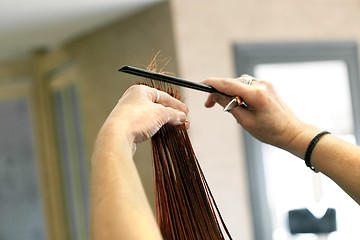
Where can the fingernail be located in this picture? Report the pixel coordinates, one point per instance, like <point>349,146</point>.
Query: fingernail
<point>187,124</point>
<point>182,118</point>
<point>187,110</point>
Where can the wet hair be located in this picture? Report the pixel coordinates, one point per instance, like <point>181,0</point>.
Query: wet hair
<point>185,207</point>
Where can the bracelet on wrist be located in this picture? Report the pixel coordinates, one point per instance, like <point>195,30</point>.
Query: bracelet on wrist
<point>310,148</point>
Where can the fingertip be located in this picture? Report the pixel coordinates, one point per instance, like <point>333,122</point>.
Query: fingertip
<point>187,124</point>
<point>176,117</point>
<point>209,103</point>
<point>211,100</point>
<point>186,110</point>
<point>182,118</point>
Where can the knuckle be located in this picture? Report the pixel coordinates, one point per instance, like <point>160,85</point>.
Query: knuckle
<point>132,89</point>
<point>268,84</point>
<point>259,92</point>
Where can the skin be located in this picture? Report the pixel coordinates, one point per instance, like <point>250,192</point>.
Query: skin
<point>270,120</point>
<point>119,207</point>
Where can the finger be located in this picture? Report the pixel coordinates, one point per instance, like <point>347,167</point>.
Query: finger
<point>166,100</point>
<point>175,117</point>
<point>210,101</point>
<point>187,124</point>
<point>215,98</point>
<point>241,114</point>
<point>229,86</point>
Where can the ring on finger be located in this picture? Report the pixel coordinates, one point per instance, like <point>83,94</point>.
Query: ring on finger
<point>157,95</point>
<point>247,79</point>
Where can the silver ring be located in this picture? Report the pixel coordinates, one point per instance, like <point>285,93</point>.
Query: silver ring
<point>157,95</point>
<point>247,79</point>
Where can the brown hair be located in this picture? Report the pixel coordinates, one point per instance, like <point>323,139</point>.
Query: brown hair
<point>185,207</point>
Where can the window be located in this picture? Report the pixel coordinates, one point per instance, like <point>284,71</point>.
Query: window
<point>21,209</point>
<point>73,162</point>
<point>319,81</point>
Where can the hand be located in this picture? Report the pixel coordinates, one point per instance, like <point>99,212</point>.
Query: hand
<point>139,115</point>
<point>267,117</point>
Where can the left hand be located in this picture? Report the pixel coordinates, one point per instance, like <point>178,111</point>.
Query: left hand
<point>141,112</point>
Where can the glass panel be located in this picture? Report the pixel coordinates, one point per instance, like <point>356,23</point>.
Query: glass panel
<point>318,93</point>
<point>21,214</point>
<point>73,161</point>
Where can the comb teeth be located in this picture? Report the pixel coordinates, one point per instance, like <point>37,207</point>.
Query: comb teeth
<point>155,81</point>
<point>161,85</point>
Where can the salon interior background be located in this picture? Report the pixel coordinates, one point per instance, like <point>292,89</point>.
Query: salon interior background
<point>59,81</point>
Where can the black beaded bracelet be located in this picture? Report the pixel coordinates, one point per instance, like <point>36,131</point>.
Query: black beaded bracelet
<point>311,148</point>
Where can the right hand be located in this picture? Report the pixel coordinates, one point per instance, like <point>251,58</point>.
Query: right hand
<point>267,117</point>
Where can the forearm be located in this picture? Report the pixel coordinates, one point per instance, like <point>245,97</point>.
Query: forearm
<point>270,120</point>
<point>340,161</point>
<point>337,159</point>
<point>119,208</point>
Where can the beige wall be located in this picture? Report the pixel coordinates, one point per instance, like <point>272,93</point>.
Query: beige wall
<point>99,55</point>
<point>15,69</point>
<point>205,31</point>
<point>96,58</point>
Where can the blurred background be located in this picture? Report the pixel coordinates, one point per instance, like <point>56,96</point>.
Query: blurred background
<point>59,81</point>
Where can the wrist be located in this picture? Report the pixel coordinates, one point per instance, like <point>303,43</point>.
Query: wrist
<point>299,143</point>
<point>115,137</point>
<point>311,147</point>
